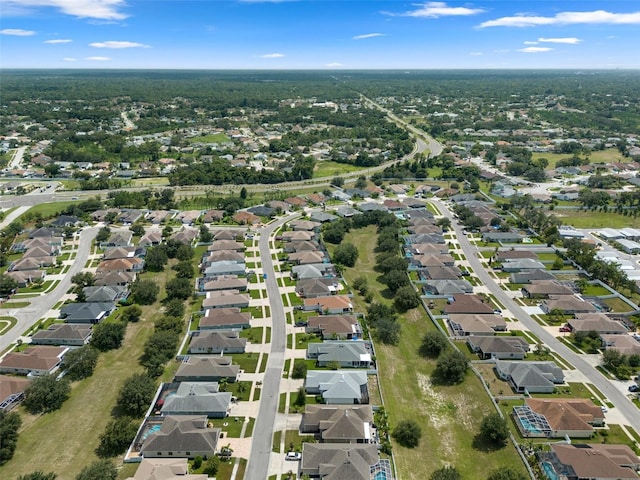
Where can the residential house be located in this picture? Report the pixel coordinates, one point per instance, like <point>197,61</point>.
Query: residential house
<point>625,344</point>
<point>206,369</point>
<point>91,313</point>
<point>305,258</point>
<point>338,461</point>
<point>188,217</point>
<point>431,260</point>
<point>334,304</point>
<point>339,423</point>
<point>166,469</point>
<point>372,206</point>
<point>186,236</point>
<point>508,255</point>
<point>338,387</point>
<point>226,299</point>
<point>467,304</point>
<point>33,361</point>
<point>530,276</point>
<point>216,341</point>
<point>41,251</point>
<point>151,238</point>
<point>317,287</point>
<point>156,217</point>
<point>301,246</point>
<point>224,267</point>
<point>322,217</point>
<point>296,202</point>
<point>345,354</point>
<point>45,232</point>
<point>31,263</point>
<point>502,237</point>
<point>546,288</point>
<point>297,235</point>
<point>558,417</point>
<point>212,216</point>
<point>232,245</point>
<point>11,391</point>
<point>221,256</point>
<point>531,377</point>
<point>186,436</point>
<point>440,273</point>
<point>568,305</point>
<point>262,211</point>
<point>228,234</point>
<point>447,287</point>
<point>225,282</point>
<point>70,334</point>
<point>318,270</point>
<point>465,324</point>
<point>334,326</point>
<point>346,211</point>
<point>246,218</point>
<point>512,348</point>
<point>197,398</point>
<point>111,293</point>
<point>598,322</point>
<point>522,264</point>
<point>592,461</point>
<point>121,265</point>
<point>305,225</point>
<point>120,238</point>
<point>224,318</point>
<point>114,278</point>
<point>27,277</point>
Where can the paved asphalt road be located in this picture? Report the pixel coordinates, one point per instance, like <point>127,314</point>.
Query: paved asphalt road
<point>28,316</point>
<point>615,396</point>
<point>258,465</point>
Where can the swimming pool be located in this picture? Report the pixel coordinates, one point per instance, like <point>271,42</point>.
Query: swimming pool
<point>153,429</point>
<point>380,476</point>
<point>529,427</point>
<point>549,471</point>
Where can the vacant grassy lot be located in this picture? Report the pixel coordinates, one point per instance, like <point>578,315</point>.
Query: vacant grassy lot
<point>50,209</point>
<point>617,305</point>
<point>449,416</point>
<point>212,138</point>
<point>602,156</point>
<point>64,441</point>
<point>330,169</point>
<point>596,219</point>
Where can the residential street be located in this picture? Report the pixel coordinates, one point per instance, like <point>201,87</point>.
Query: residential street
<point>258,464</point>
<point>627,409</point>
<point>39,307</point>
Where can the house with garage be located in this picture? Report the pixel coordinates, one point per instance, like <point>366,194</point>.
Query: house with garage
<point>317,287</point>
<point>467,304</point>
<point>339,423</point>
<point>302,246</point>
<point>305,225</point>
<point>446,287</point>
<point>103,294</point>
<point>225,319</point>
<point>625,344</point>
<point>338,387</point>
<point>166,469</point>
<point>531,377</point>
<point>232,245</point>
<point>558,417</point>
<point>522,264</point>
<point>195,398</point>
<point>69,334</point>
<point>567,304</point>
<point>114,278</point>
<point>33,361</point>
<point>338,461</point>
<point>502,237</point>
<point>317,270</point>
<point>546,288</point>
<point>466,324</point>
<point>120,238</point>
<point>226,267</point>
<point>595,460</point>
<point>185,236</point>
<point>221,256</point>
<point>206,369</point>
<point>503,348</point>
<point>11,391</point>
<point>90,313</point>
<point>225,282</point>
<point>334,327</point>
<point>216,341</point>
<point>344,354</point>
<point>335,304</point>
<point>186,436</point>
<point>530,276</point>
<point>598,322</point>
<point>134,264</point>
<point>292,236</point>
<point>225,299</point>
<point>27,277</point>
<point>151,238</point>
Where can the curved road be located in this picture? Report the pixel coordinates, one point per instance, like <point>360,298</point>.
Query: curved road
<point>39,306</point>
<point>615,396</point>
<point>262,442</point>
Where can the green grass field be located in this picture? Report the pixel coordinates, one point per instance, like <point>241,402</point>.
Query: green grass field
<point>449,416</point>
<point>212,138</point>
<point>64,441</point>
<point>327,168</point>
<point>596,219</point>
<point>50,209</point>
<point>601,156</point>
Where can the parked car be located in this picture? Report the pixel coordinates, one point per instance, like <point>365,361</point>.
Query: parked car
<point>565,329</point>
<point>634,388</point>
<point>293,456</point>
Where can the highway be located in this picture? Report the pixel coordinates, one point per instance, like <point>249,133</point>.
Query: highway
<point>39,306</point>
<point>627,409</point>
<point>261,445</point>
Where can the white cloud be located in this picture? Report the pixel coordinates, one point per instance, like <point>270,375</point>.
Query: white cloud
<point>439,9</point>
<point>334,64</point>
<point>503,50</point>
<point>567,40</point>
<point>58,40</point>
<point>535,49</point>
<point>98,59</point>
<point>117,44</point>
<point>530,42</point>
<point>102,9</point>
<point>70,59</point>
<point>17,32</point>
<point>566,18</point>
<point>272,55</point>
<point>476,54</point>
<point>369,35</point>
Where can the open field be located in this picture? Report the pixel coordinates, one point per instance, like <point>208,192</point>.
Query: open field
<point>584,219</point>
<point>65,440</point>
<point>608,155</point>
<point>50,209</point>
<point>449,416</point>
<point>211,138</point>
<point>327,168</point>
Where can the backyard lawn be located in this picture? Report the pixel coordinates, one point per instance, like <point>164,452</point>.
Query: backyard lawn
<point>449,416</point>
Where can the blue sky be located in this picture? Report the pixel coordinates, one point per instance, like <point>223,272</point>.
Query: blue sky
<point>319,34</point>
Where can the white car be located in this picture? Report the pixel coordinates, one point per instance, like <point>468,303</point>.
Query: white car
<point>294,456</point>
